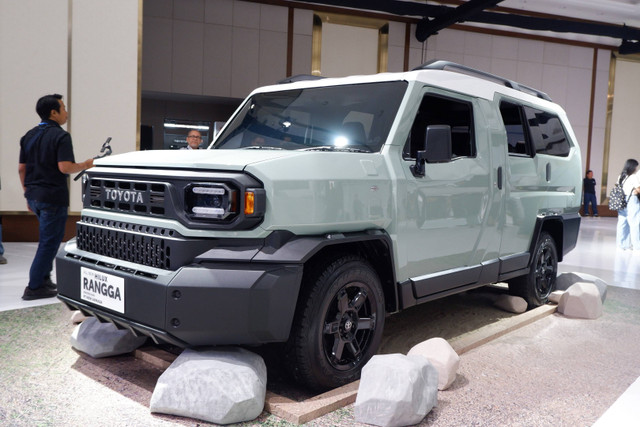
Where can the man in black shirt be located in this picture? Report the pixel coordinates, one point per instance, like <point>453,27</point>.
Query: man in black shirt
<point>589,185</point>
<point>46,158</point>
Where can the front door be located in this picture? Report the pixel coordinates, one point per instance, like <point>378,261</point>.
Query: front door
<point>452,212</point>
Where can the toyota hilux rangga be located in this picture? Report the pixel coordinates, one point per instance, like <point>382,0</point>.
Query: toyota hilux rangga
<point>325,205</point>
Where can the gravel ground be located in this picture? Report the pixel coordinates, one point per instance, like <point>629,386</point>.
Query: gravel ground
<point>554,372</point>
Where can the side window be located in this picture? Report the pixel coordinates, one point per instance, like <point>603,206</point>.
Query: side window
<point>438,110</point>
<point>547,133</point>
<point>516,131</point>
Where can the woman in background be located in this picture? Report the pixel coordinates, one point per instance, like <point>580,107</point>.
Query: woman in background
<point>628,231</point>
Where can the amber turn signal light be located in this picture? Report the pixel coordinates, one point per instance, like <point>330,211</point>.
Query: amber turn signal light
<point>249,203</point>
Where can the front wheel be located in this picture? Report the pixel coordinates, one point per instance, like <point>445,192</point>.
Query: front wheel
<point>338,324</point>
<point>536,286</point>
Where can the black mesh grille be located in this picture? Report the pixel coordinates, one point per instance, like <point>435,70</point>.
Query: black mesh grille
<point>149,250</point>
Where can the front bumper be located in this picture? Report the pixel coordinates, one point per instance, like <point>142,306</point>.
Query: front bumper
<point>210,303</point>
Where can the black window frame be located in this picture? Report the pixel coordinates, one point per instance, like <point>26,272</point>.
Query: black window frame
<point>528,146</point>
<point>408,151</point>
<point>543,145</point>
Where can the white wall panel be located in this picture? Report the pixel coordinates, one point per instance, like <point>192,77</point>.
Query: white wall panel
<point>477,62</point>
<point>502,67</point>
<point>301,56</point>
<point>244,68</point>
<point>530,50</point>
<point>218,12</point>
<point>451,41</point>
<point>348,50</point>
<point>556,54</point>
<point>625,126</point>
<point>578,98</point>
<point>246,15</point>
<point>477,44</point>
<point>189,10</point>
<point>104,78</point>
<point>157,54</point>
<point>33,58</point>
<point>273,57</point>
<point>303,22</point>
<point>395,59</point>
<point>158,8</point>
<point>216,63</point>
<point>529,74</point>
<point>395,46</point>
<point>581,57</point>
<point>397,32</point>
<point>504,48</point>
<point>187,58</point>
<point>554,82</point>
<point>274,18</point>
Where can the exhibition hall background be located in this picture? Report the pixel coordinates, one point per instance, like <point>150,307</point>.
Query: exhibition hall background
<point>124,64</point>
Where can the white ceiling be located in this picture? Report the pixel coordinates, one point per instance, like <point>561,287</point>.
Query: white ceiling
<point>617,12</point>
<point>611,11</point>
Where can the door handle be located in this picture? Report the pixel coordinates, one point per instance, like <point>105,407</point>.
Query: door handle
<point>499,177</point>
<point>548,172</point>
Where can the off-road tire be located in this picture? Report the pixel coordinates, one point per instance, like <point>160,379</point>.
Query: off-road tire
<point>536,286</point>
<point>338,323</point>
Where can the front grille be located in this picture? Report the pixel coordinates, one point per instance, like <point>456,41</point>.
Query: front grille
<point>148,250</point>
<point>127,196</point>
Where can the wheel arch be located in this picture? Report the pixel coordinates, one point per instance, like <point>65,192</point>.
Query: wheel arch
<point>377,252</point>
<point>562,228</point>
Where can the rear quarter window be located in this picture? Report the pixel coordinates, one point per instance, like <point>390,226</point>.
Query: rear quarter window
<point>547,133</point>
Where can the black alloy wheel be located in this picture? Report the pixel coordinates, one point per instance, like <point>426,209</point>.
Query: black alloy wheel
<point>338,323</point>
<point>536,286</point>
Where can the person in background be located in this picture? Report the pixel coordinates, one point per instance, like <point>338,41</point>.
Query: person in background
<point>46,158</point>
<point>589,188</point>
<point>628,229</point>
<point>194,139</point>
<point>3,260</point>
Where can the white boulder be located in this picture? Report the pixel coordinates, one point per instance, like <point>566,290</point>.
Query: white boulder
<point>103,339</point>
<point>442,356</point>
<point>555,296</point>
<point>77,317</point>
<point>222,386</point>
<point>565,280</point>
<point>396,390</point>
<point>511,303</point>
<point>581,300</point>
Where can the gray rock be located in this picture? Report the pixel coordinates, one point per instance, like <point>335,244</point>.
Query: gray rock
<point>581,300</point>
<point>396,390</point>
<point>103,339</point>
<point>442,356</point>
<point>565,280</point>
<point>222,386</point>
<point>510,303</point>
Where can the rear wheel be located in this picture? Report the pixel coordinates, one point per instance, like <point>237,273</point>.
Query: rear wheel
<point>338,324</point>
<point>536,286</point>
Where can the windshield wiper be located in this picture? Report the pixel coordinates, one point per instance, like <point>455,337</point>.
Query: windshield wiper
<point>262,147</point>
<point>334,148</point>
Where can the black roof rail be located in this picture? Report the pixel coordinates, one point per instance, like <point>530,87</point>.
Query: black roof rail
<point>437,64</point>
<point>299,78</point>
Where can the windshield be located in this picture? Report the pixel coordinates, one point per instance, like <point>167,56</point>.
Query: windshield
<point>336,118</point>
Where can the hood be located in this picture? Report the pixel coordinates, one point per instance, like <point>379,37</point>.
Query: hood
<point>232,160</point>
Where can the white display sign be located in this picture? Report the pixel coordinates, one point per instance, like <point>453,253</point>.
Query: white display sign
<point>102,289</point>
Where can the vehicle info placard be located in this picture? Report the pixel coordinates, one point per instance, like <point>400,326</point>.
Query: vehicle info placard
<point>102,289</point>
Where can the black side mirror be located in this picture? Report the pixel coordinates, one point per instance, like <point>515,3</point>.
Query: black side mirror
<point>437,148</point>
